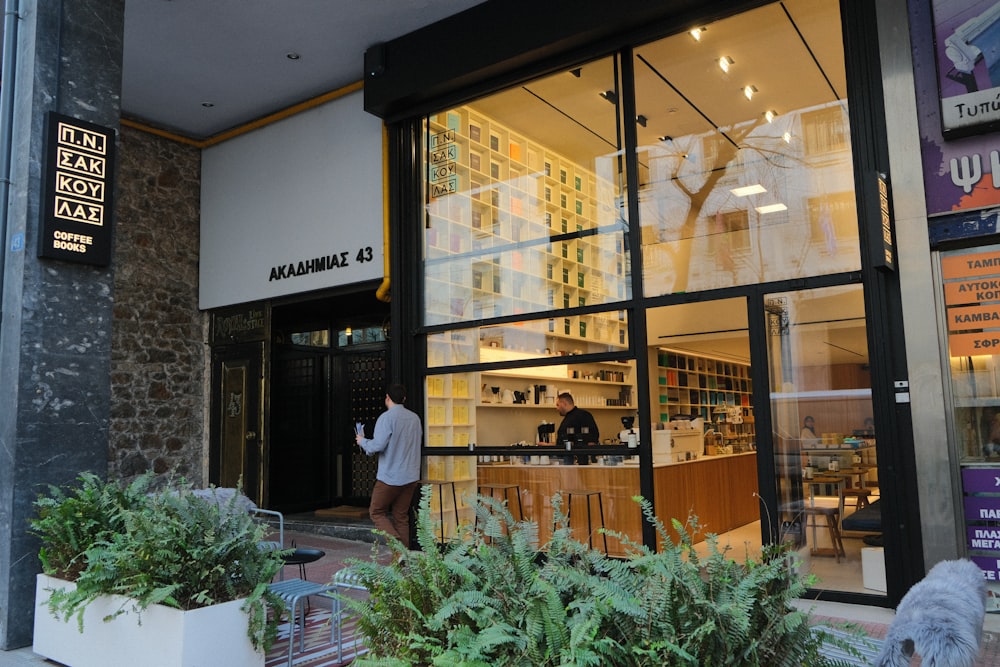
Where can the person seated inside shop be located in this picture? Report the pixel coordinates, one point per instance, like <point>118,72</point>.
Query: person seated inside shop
<point>808,434</point>
<point>578,427</point>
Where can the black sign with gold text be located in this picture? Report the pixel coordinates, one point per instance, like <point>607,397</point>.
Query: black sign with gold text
<point>77,206</point>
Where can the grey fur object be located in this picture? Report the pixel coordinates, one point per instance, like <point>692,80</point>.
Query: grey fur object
<point>940,619</point>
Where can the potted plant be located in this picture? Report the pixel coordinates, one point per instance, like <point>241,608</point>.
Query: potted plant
<point>495,597</point>
<point>118,561</point>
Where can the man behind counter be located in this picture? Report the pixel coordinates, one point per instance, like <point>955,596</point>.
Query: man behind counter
<point>577,420</point>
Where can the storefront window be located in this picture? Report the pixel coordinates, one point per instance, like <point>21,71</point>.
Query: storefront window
<point>522,200</point>
<point>745,169</point>
<point>972,309</point>
<point>823,433</point>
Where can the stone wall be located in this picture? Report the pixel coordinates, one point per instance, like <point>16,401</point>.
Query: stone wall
<point>159,350</point>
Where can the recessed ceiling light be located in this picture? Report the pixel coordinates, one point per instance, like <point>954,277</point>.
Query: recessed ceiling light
<point>207,105</point>
<point>291,55</point>
<point>696,33</point>
<point>770,115</point>
<point>576,71</point>
<point>748,190</point>
<point>787,136</point>
<point>748,91</point>
<point>665,138</point>
<point>610,96</point>
<point>771,208</point>
<point>641,120</point>
<point>725,62</point>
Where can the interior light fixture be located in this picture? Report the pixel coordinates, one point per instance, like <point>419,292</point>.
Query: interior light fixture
<point>576,72</point>
<point>641,120</point>
<point>725,62</point>
<point>771,208</point>
<point>610,96</point>
<point>665,138</point>
<point>770,115</point>
<point>748,92</point>
<point>696,33</point>
<point>787,136</point>
<point>747,190</point>
<point>291,55</point>
<point>207,105</point>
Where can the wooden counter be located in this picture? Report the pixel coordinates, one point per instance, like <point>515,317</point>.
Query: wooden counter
<point>719,489</point>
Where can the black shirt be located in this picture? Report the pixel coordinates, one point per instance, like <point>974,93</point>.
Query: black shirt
<point>577,419</point>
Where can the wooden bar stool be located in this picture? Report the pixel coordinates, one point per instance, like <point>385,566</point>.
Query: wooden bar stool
<point>503,491</point>
<point>588,496</point>
<point>832,516</point>
<point>440,484</point>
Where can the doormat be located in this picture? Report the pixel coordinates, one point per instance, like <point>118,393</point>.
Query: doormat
<point>319,650</point>
<point>342,512</point>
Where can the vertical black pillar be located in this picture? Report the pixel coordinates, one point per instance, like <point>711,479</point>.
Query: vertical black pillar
<point>55,332</point>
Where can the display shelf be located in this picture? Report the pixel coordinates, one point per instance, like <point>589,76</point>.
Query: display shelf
<point>450,410</point>
<point>718,391</point>
<point>462,471</point>
<point>494,201</point>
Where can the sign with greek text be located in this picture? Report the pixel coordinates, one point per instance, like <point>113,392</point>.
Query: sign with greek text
<point>77,207</point>
<point>981,480</point>
<point>968,66</point>
<point>982,508</point>
<point>989,565</point>
<point>972,300</point>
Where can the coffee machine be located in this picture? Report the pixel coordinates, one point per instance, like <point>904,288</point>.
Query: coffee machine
<point>629,435</point>
<point>545,430</point>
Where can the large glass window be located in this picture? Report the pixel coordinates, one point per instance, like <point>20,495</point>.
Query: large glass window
<point>522,200</point>
<point>745,171</point>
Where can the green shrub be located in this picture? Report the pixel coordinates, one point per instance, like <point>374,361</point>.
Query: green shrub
<point>171,547</point>
<point>494,597</point>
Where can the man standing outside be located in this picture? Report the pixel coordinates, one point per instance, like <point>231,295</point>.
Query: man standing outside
<point>396,440</point>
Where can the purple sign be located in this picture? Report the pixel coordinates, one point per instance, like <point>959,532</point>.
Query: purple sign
<point>981,480</point>
<point>989,565</point>
<point>983,538</point>
<point>982,508</point>
<point>955,52</point>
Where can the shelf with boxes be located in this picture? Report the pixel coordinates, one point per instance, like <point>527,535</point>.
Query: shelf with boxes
<point>497,205</point>
<point>719,391</point>
<point>594,386</point>
<point>462,472</point>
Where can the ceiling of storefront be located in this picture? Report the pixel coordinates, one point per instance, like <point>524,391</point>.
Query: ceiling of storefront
<point>200,68</point>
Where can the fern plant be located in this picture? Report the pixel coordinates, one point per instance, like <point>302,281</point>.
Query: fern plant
<point>172,548</point>
<point>494,596</point>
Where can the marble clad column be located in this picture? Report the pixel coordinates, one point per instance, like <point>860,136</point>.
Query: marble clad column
<point>55,340</point>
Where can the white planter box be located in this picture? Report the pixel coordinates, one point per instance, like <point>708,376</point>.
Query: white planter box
<point>158,637</point>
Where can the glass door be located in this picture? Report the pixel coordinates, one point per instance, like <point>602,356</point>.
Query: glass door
<point>823,435</point>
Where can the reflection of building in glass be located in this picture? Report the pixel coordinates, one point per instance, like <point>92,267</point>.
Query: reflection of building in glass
<point>781,206</point>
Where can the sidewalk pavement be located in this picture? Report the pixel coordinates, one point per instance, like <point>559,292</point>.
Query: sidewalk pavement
<point>875,620</point>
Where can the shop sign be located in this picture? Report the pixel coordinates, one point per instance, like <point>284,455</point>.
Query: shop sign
<point>989,565</point>
<point>981,480</point>
<point>239,325</point>
<point>972,300</point>
<point>967,34</point>
<point>887,258</point>
<point>77,207</point>
<point>443,174</point>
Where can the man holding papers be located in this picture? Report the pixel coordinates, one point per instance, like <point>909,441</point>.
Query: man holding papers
<point>396,441</point>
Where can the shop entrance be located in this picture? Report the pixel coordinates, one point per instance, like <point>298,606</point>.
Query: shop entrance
<point>328,370</point>
<point>816,464</point>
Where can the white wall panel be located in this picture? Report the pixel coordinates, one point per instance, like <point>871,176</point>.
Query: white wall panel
<point>288,208</point>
